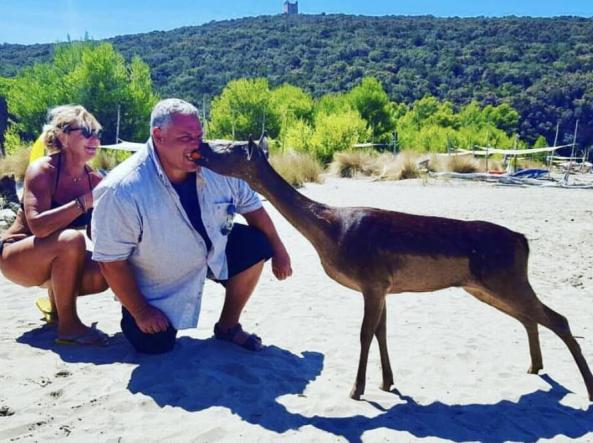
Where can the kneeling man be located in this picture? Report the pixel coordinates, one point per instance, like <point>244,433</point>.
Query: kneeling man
<point>162,224</point>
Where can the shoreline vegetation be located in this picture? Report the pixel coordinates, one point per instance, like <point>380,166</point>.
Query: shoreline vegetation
<point>312,130</point>
<point>541,67</point>
<point>321,84</point>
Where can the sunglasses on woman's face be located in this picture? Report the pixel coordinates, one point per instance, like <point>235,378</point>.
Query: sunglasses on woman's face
<point>86,132</point>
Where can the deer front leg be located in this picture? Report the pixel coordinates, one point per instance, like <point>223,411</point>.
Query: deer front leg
<point>373,308</point>
<point>381,334</point>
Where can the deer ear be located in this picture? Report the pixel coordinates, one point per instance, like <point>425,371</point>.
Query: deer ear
<point>251,147</point>
<point>263,145</point>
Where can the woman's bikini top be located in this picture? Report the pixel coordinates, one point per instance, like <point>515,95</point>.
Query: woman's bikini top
<point>83,219</point>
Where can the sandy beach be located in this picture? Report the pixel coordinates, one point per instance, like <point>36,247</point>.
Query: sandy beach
<point>460,366</point>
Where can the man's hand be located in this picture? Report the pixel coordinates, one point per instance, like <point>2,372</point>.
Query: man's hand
<point>280,260</point>
<point>281,264</point>
<point>151,320</point>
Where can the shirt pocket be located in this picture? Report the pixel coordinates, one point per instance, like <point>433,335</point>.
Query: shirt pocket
<point>224,214</point>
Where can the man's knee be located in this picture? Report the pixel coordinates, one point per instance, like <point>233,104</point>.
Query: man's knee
<point>151,343</point>
<point>158,343</point>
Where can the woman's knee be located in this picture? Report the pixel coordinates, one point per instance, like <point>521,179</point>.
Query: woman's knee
<point>72,243</point>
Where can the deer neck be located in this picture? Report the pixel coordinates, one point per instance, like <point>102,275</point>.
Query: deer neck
<point>310,218</point>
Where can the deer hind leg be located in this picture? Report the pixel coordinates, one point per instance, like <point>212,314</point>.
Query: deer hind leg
<point>534,347</point>
<point>559,325</point>
<point>502,304</point>
<point>374,303</point>
<point>381,334</point>
<point>523,301</point>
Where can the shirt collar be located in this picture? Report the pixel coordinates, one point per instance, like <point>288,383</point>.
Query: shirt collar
<point>159,167</point>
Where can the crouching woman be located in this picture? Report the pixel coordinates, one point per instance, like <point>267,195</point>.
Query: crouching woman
<point>46,244</point>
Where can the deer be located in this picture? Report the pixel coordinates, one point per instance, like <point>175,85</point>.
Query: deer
<point>379,252</point>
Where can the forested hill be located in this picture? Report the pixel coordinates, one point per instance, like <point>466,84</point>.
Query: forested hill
<point>542,66</point>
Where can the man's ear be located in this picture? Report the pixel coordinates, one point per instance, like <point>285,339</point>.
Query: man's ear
<point>157,134</point>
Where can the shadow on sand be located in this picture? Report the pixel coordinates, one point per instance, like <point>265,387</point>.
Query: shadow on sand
<point>200,374</point>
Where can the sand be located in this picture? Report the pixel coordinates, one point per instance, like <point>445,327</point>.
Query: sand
<point>460,366</point>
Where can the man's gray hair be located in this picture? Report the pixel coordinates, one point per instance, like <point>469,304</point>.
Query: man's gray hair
<point>164,110</point>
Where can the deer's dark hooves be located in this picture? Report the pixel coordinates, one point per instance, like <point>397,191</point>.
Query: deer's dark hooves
<point>386,387</point>
<point>356,393</point>
<point>534,369</point>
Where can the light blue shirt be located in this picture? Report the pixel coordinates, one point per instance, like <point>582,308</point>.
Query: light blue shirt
<point>138,217</point>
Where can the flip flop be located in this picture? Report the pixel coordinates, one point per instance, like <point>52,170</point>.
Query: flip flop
<point>44,305</point>
<point>92,337</point>
<point>253,342</point>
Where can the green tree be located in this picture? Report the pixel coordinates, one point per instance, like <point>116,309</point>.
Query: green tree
<point>293,108</point>
<point>298,136</point>
<point>541,142</point>
<point>291,103</point>
<point>372,103</point>
<point>95,76</point>
<point>332,103</point>
<point>243,109</point>
<point>337,132</point>
<point>502,116</point>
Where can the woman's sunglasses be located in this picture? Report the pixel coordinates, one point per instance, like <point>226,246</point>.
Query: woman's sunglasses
<point>86,132</point>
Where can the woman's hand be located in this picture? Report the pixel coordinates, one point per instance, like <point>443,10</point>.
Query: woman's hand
<point>87,200</point>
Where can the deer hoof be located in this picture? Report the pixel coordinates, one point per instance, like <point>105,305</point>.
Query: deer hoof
<point>356,393</point>
<point>534,369</point>
<point>386,387</point>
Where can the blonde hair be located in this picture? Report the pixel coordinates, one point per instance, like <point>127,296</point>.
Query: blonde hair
<point>62,117</point>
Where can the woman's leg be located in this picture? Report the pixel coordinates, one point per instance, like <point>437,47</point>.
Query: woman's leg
<point>59,260</point>
<point>92,282</point>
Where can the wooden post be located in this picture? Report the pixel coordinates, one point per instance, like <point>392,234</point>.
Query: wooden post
<point>574,143</point>
<point>555,144</point>
<point>117,126</point>
<point>3,124</point>
<point>204,118</point>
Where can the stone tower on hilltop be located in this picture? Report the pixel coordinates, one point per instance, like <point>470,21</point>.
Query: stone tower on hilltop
<point>291,8</point>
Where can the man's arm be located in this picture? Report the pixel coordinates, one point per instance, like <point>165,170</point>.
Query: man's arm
<point>281,260</point>
<point>121,279</point>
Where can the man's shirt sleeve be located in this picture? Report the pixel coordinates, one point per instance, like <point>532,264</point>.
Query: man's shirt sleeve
<point>246,198</point>
<point>116,226</point>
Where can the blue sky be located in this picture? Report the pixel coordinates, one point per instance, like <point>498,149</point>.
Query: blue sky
<point>42,21</point>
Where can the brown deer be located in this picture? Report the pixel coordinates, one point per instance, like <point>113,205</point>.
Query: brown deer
<point>379,252</point>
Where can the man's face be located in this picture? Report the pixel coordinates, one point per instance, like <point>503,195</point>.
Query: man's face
<point>174,143</point>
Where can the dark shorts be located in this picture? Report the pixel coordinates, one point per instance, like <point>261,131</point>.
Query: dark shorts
<point>246,246</point>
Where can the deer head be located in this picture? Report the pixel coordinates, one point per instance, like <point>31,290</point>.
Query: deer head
<point>236,159</point>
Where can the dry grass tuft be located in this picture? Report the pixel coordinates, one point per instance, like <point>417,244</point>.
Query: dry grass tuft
<point>495,166</point>
<point>297,168</point>
<point>352,163</point>
<point>403,166</point>
<point>462,164</point>
<point>15,164</point>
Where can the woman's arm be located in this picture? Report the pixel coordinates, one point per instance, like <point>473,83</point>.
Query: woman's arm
<point>42,220</point>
